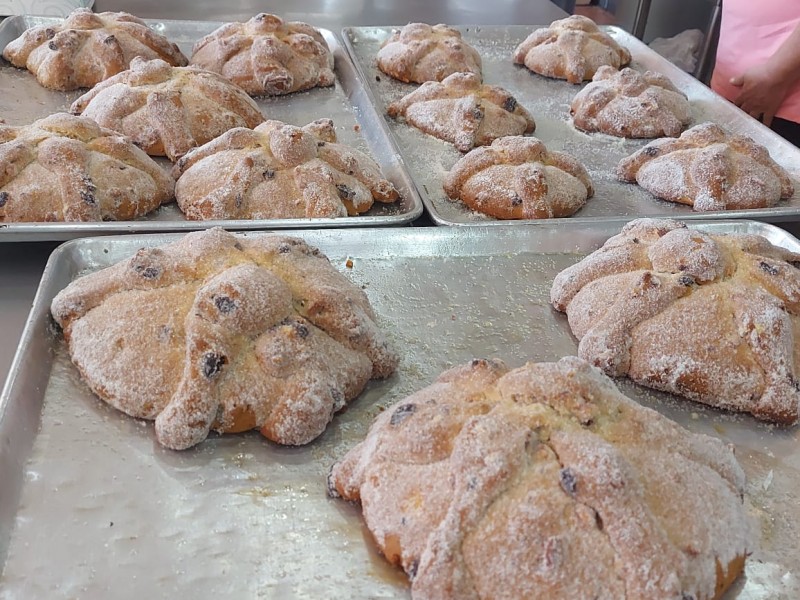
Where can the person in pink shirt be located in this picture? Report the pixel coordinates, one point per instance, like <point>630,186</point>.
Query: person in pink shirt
<point>758,62</point>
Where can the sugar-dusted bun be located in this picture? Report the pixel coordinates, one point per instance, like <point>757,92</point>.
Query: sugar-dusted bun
<point>225,333</point>
<point>464,112</point>
<point>168,110</point>
<point>546,482</point>
<point>88,48</point>
<point>418,53</point>
<point>516,177</point>
<point>712,317</point>
<point>267,56</point>
<point>67,168</point>
<point>630,104</point>
<point>708,169</point>
<point>573,49</point>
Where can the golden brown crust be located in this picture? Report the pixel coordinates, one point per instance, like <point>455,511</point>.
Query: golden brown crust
<point>546,482</point>
<point>167,110</point>
<point>266,55</point>
<point>418,53</point>
<point>709,317</point>
<point>708,169</point>
<point>462,111</point>
<point>518,178</point>
<point>224,333</point>
<point>279,171</point>
<point>66,168</point>
<point>88,48</point>
<point>630,104</point>
<point>573,49</point>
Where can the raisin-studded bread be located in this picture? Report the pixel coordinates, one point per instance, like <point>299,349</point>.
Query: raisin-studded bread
<point>712,317</point>
<point>267,56</point>
<point>630,104</point>
<point>708,169</point>
<point>67,168</point>
<point>87,48</point>
<point>573,49</point>
<point>516,177</point>
<point>279,171</point>
<point>462,111</point>
<point>216,332</point>
<point>418,53</point>
<point>168,110</point>
<point>546,482</point>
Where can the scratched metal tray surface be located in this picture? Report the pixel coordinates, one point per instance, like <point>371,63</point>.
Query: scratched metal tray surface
<point>48,8</point>
<point>428,159</point>
<point>23,100</point>
<point>92,507</point>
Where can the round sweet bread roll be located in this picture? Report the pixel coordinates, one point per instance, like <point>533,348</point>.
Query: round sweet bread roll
<point>279,171</point>
<point>267,56</point>
<point>573,49</point>
<point>67,168</point>
<point>418,53</point>
<point>168,110</point>
<point>546,482</point>
<point>711,317</point>
<point>462,111</point>
<point>708,169</point>
<point>516,177</point>
<point>630,104</point>
<point>224,333</point>
<point>87,48</point>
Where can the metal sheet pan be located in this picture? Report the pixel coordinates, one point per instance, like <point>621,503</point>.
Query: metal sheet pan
<point>429,159</point>
<point>23,100</point>
<point>92,507</point>
<point>48,8</point>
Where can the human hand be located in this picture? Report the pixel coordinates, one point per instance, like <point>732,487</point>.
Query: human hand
<point>762,92</point>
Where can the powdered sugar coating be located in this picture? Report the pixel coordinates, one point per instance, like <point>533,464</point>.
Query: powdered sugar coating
<point>419,52</point>
<point>546,482</point>
<point>631,105</point>
<point>266,55</point>
<point>88,48</point>
<point>573,49</point>
<point>462,111</point>
<point>517,178</point>
<point>279,171</point>
<point>708,169</point>
<point>709,317</point>
<point>168,110</point>
<point>67,168</point>
<point>217,332</point>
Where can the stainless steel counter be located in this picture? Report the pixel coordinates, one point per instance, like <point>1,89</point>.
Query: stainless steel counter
<point>21,265</point>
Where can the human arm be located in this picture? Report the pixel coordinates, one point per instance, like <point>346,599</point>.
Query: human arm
<point>764,86</point>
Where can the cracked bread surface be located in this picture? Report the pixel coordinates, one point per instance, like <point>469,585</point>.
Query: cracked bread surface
<point>546,482</point>
<point>711,317</point>
<point>225,333</point>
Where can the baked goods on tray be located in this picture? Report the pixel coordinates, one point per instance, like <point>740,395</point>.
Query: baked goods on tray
<point>168,110</point>
<point>418,53</point>
<point>462,111</point>
<point>516,177</point>
<point>708,169</point>
<point>224,333</point>
<point>67,168</point>
<point>87,48</point>
<point>630,104</point>
<point>546,482</point>
<point>267,56</point>
<point>712,317</point>
<point>573,49</point>
<point>279,171</point>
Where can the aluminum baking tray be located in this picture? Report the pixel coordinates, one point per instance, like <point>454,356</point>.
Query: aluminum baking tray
<point>429,159</point>
<point>23,100</point>
<point>92,507</point>
<point>48,8</point>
